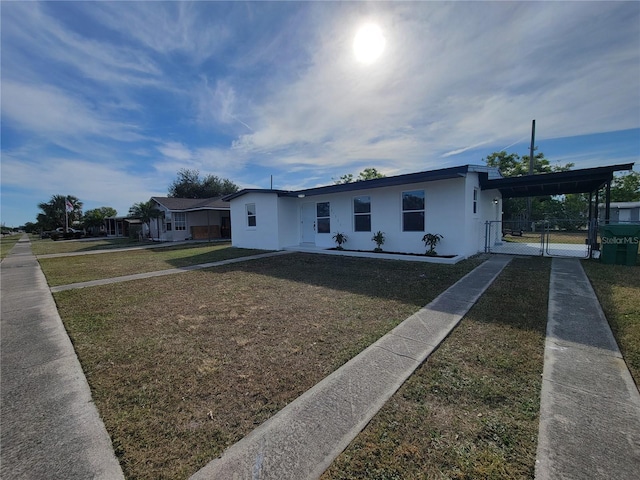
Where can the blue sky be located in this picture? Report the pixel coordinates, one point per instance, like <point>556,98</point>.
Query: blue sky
<point>108,100</point>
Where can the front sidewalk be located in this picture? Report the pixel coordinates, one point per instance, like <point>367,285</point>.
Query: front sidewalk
<point>49,425</point>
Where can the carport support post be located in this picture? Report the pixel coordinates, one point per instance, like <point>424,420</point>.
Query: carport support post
<point>607,209</point>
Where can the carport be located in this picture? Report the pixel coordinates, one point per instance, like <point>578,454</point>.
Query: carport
<point>586,180</point>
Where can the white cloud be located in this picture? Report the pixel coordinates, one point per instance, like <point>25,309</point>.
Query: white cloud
<point>50,112</point>
<point>456,82</point>
<point>95,184</point>
<point>165,27</point>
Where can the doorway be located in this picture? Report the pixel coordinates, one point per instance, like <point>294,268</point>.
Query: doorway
<point>308,223</point>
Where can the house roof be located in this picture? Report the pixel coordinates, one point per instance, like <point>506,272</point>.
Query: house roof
<point>621,205</point>
<point>406,179</point>
<point>190,204</point>
<point>583,180</point>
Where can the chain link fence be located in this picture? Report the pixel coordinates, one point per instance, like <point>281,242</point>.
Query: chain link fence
<point>551,237</point>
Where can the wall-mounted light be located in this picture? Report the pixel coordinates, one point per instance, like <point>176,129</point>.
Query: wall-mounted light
<point>301,195</point>
<point>495,201</point>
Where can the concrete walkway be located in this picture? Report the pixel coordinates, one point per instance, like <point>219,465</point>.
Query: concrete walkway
<point>302,440</point>
<point>161,273</point>
<point>49,426</point>
<point>590,406</point>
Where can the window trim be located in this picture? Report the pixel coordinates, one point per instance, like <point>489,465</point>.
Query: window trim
<point>476,196</point>
<point>179,225</point>
<point>423,210</point>
<point>250,215</point>
<point>360,214</point>
<point>318,218</point>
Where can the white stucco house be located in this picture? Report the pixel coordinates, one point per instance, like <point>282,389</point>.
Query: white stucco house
<point>449,202</point>
<point>621,212</point>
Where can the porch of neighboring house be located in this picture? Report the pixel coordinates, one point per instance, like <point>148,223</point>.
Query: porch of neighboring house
<point>190,219</point>
<point>120,226</point>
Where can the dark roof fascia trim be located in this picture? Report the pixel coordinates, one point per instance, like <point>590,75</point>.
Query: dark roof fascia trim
<point>244,191</point>
<point>190,209</point>
<point>407,179</point>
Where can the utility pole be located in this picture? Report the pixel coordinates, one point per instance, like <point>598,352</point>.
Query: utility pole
<point>533,139</point>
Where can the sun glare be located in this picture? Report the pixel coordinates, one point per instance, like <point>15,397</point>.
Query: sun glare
<point>368,44</point>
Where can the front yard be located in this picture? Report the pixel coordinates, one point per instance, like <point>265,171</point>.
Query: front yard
<point>183,366</point>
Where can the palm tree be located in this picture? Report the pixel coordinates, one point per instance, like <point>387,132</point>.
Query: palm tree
<point>145,211</point>
<point>54,211</point>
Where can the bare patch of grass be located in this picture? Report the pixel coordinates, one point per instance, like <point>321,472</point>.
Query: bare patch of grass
<point>82,268</point>
<point>618,290</point>
<point>181,368</point>
<point>471,410</point>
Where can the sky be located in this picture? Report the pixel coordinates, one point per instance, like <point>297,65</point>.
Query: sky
<point>107,101</point>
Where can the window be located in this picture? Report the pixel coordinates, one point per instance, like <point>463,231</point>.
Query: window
<point>413,211</point>
<point>179,221</point>
<point>475,201</point>
<point>362,214</point>
<point>251,214</point>
<point>323,214</point>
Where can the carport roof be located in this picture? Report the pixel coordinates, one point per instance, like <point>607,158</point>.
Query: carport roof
<point>584,180</point>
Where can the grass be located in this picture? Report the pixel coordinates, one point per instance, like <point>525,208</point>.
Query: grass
<point>555,236</point>
<point>618,290</point>
<point>82,268</point>
<point>181,367</point>
<point>6,244</point>
<point>471,410</point>
<point>45,246</point>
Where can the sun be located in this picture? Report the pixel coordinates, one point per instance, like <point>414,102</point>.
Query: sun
<point>368,44</point>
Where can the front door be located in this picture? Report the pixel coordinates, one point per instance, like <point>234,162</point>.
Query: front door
<point>308,223</point>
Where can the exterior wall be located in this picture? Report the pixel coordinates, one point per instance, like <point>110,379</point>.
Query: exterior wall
<point>448,212</point>
<point>620,214</point>
<point>288,222</point>
<point>265,234</point>
<point>199,218</point>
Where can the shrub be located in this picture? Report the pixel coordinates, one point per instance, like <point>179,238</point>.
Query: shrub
<point>379,239</point>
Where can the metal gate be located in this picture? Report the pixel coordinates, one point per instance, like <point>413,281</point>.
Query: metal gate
<point>552,237</point>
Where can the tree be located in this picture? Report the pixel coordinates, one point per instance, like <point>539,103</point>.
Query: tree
<point>94,219</point>
<point>145,211</point>
<point>29,227</point>
<point>512,165</point>
<point>54,212</point>
<point>366,174</point>
<point>626,188</point>
<point>190,185</point>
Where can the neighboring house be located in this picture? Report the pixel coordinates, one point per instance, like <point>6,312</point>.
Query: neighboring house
<point>119,226</point>
<point>621,212</point>
<point>449,202</point>
<point>190,218</point>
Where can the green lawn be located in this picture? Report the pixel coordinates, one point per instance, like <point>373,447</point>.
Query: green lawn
<point>7,242</point>
<point>618,289</point>
<point>82,268</point>
<point>45,246</point>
